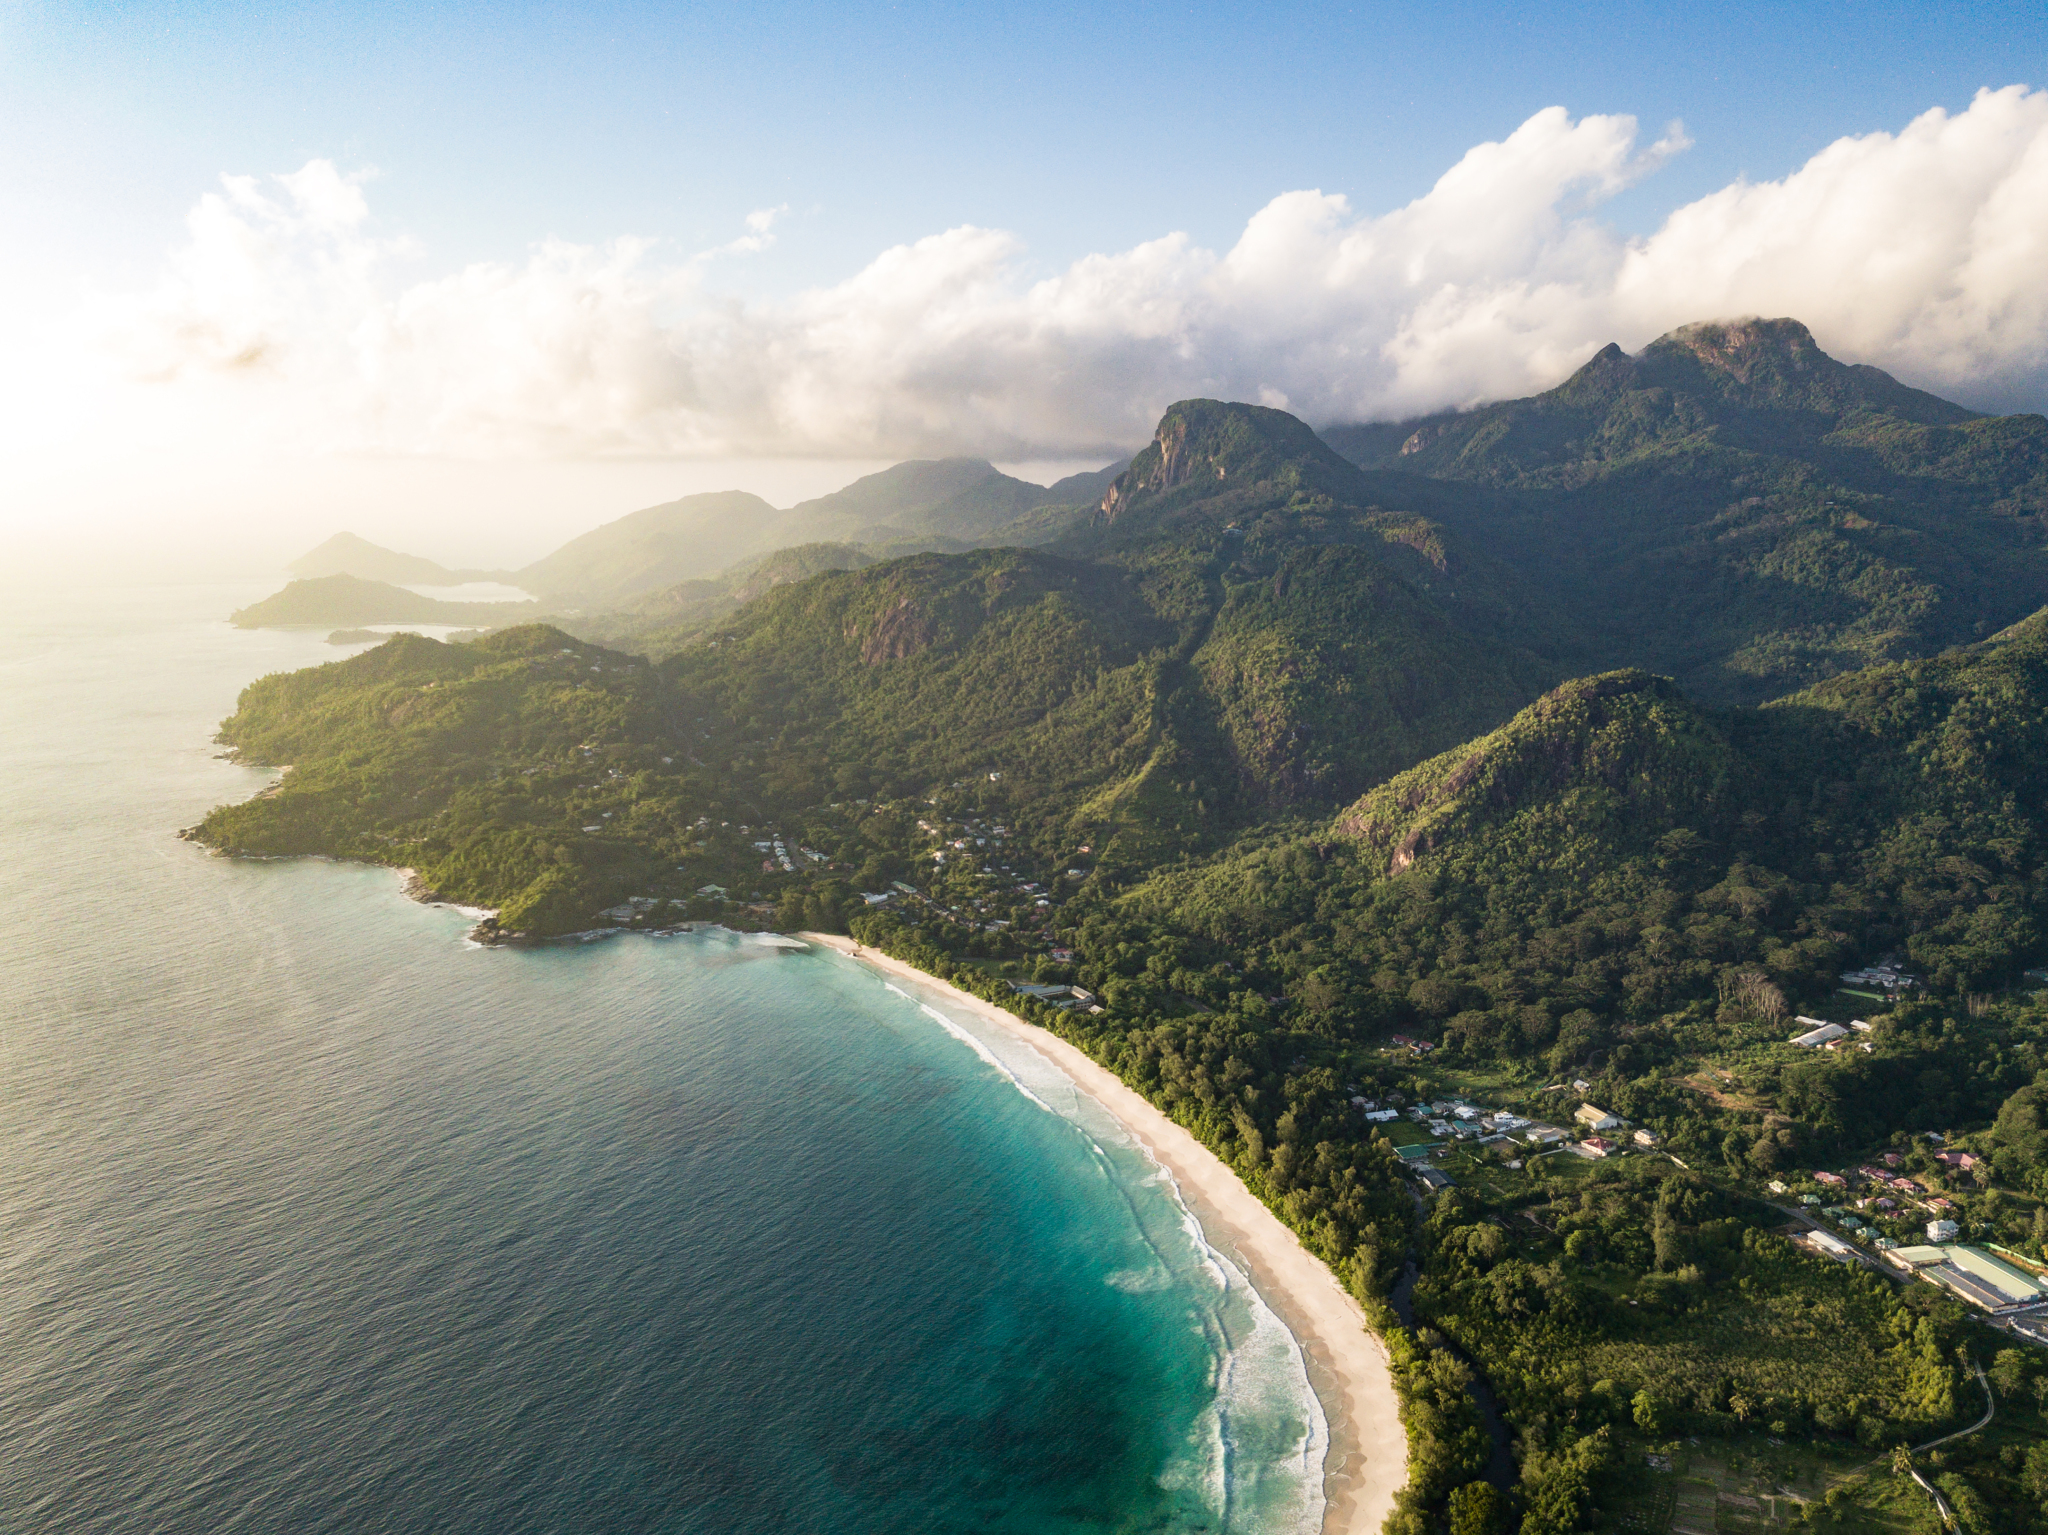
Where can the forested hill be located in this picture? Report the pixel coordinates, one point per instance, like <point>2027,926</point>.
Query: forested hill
<point>1287,765</point>
<point>1737,509</point>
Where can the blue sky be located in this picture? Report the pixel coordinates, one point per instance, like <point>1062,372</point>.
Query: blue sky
<point>434,270</point>
<point>1079,127</point>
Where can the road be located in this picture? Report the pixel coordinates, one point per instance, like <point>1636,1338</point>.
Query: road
<point>1812,1223</point>
<point>1962,1433</point>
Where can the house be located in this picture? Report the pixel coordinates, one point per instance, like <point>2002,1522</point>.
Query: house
<point>1542,1135</point>
<point>1062,956</point>
<point>1814,1038</point>
<point>1775,1186</point>
<point>1058,996</point>
<point>1942,1231</point>
<point>1887,1204</point>
<point>1593,1117</point>
<point>717,892</point>
<point>1381,1116</point>
<point>1647,1138</point>
<point>1597,1146</point>
<point>1958,1159</point>
<point>1890,1159</point>
<point>1834,1179</point>
<point>1827,1245</point>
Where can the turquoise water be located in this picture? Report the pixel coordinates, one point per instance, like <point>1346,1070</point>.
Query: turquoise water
<point>317,1217</point>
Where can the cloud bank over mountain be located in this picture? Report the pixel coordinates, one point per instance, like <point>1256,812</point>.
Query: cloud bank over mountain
<point>1920,251</point>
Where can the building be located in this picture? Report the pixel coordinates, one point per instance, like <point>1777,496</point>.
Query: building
<point>1987,1282</point>
<point>1942,1231</point>
<point>1647,1138</point>
<point>1814,1038</point>
<point>1827,1245</point>
<point>1593,1117</point>
<point>1834,1179</point>
<point>1597,1146</point>
<point>1957,1159</point>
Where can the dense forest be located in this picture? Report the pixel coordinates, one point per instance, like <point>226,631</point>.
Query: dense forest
<point>1425,785</point>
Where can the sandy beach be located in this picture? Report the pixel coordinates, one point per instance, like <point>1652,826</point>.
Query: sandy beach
<point>1367,1461</point>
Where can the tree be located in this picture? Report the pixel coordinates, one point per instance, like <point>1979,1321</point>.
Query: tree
<point>1475,1509</point>
<point>1645,1412</point>
<point>2009,1371</point>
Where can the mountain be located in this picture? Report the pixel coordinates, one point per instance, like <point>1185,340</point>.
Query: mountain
<point>347,600</point>
<point>655,547</point>
<point>1291,764</point>
<point>346,554</point>
<point>662,622</point>
<point>1157,694</point>
<point>953,503</point>
<point>1735,508</point>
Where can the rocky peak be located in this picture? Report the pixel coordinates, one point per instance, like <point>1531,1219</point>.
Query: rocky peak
<point>1211,440</point>
<point>1743,349</point>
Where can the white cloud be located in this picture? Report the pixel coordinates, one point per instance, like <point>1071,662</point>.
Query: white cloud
<point>1920,251</point>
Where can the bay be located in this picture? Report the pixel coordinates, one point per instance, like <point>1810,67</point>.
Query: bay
<point>318,1217</point>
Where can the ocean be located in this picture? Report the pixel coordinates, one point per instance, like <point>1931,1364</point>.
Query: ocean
<point>318,1217</point>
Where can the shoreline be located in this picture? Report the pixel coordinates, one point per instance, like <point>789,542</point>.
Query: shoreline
<point>1366,1462</point>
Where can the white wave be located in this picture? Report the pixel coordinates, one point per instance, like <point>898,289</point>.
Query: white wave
<point>1255,1453</point>
<point>975,1044</point>
<point>1143,1281</point>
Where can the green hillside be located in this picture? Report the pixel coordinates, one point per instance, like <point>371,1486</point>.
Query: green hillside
<point>650,549</point>
<point>1735,508</point>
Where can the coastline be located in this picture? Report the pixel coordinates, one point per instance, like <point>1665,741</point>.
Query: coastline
<point>1366,1463</point>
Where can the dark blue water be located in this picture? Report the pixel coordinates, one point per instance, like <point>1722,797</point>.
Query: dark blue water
<point>318,1218</point>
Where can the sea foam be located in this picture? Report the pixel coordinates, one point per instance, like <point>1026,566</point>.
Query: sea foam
<point>1255,1453</point>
